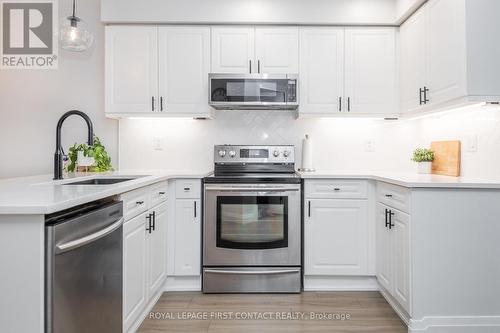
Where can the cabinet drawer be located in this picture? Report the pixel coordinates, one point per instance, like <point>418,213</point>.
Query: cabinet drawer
<point>187,188</point>
<point>394,196</point>
<point>135,202</point>
<point>336,188</point>
<point>158,193</point>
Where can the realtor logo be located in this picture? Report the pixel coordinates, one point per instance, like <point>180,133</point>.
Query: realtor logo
<point>28,34</point>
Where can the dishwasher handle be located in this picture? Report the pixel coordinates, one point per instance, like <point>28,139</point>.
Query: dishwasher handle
<point>71,245</point>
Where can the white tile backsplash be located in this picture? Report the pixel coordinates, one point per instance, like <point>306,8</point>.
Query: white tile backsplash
<point>338,143</point>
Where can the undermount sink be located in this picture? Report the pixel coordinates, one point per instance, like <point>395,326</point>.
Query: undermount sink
<point>102,181</point>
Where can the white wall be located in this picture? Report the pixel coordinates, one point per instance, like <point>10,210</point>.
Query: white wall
<point>339,143</point>
<point>251,11</point>
<point>31,102</point>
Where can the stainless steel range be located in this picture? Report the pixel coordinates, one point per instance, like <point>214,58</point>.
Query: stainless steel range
<point>252,229</point>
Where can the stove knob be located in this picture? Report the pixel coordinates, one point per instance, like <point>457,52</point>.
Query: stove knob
<point>222,153</point>
<point>276,153</point>
<point>286,153</point>
<point>232,153</point>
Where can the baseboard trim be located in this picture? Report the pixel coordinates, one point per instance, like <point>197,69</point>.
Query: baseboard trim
<point>340,283</point>
<point>182,283</point>
<point>462,324</point>
<point>405,317</point>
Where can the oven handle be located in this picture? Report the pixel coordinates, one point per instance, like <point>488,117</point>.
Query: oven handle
<point>252,189</point>
<point>284,271</point>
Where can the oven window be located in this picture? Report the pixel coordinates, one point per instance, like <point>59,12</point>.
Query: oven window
<point>252,222</point>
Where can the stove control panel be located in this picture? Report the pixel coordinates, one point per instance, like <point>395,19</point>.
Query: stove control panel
<point>254,154</point>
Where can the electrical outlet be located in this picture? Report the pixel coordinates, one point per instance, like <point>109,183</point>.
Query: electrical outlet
<point>472,144</point>
<point>158,143</point>
<point>369,146</point>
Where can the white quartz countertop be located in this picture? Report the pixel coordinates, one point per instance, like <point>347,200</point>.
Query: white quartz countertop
<point>408,179</point>
<point>42,195</point>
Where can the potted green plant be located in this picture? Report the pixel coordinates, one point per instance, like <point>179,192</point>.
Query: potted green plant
<point>424,158</point>
<point>82,157</point>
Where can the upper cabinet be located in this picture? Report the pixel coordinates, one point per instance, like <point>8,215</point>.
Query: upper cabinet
<point>347,71</point>
<point>157,71</point>
<point>184,64</point>
<point>254,50</point>
<point>448,50</point>
<point>131,69</point>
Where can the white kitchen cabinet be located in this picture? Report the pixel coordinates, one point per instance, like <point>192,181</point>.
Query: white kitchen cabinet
<point>134,268</point>
<point>187,257</point>
<point>131,62</point>
<point>157,71</point>
<point>370,71</point>
<point>336,237</point>
<point>277,50</point>
<point>412,71</point>
<point>347,71</point>
<point>184,64</point>
<point>233,49</point>
<point>255,50</point>
<point>321,74</point>
<point>157,248</point>
<point>393,253</point>
<point>443,59</point>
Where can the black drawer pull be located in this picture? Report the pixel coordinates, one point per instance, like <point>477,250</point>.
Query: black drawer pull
<point>161,193</point>
<point>139,202</point>
<point>388,195</point>
<point>187,188</point>
<point>336,189</point>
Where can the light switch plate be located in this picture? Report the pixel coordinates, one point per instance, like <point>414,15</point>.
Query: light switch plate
<point>472,144</point>
<point>369,146</point>
<point>158,142</point>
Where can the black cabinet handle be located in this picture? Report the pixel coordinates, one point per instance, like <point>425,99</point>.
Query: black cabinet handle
<point>195,209</point>
<point>336,189</point>
<point>349,104</point>
<point>161,103</point>
<point>391,213</point>
<point>161,193</point>
<point>309,209</point>
<point>154,221</point>
<point>420,92</point>
<point>152,103</point>
<point>388,195</point>
<point>386,219</point>
<point>250,66</point>
<point>187,188</point>
<point>340,104</point>
<point>149,218</point>
<point>139,202</point>
<point>425,95</point>
<point>258,66</point>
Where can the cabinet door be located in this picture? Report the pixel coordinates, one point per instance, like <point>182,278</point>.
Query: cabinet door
<point>370,70</point>
<point>446,53</point>
<point>187,237</point>
<point>384,250</point>
<point>401,254</point>
<point>321,70</point>
<point>131,69</point>
<point>134,268</point>
<point>233,50</point>
<point>277,50</point>
<point>157,248</point>
<point>336,237</point>
<point>183,69</point>
<point>413,60</point>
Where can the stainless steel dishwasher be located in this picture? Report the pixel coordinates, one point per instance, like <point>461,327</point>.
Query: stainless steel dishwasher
<point>83,286</point>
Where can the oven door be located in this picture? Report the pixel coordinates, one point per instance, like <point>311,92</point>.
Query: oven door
<point>251,225</point>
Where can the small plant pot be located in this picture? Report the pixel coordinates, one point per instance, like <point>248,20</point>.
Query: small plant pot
<point>424,168</point>
<point>84,161</point>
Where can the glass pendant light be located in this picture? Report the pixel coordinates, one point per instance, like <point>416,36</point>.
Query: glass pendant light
<point>74,34</point>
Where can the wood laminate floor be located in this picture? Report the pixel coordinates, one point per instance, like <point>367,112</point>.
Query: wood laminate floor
<point>368,312</point>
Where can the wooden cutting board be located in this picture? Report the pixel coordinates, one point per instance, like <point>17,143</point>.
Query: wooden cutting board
<point>446,158</point>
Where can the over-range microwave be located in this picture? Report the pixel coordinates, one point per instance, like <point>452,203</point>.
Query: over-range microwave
<point>253,91</point>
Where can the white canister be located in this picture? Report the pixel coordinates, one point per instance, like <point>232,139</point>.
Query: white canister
<point>424,168</point>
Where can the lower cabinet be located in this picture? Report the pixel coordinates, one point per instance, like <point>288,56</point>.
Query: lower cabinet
<point>336,237</point>
<point>187,237</point>
<point>393,253</point>
<point>144,261</point>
